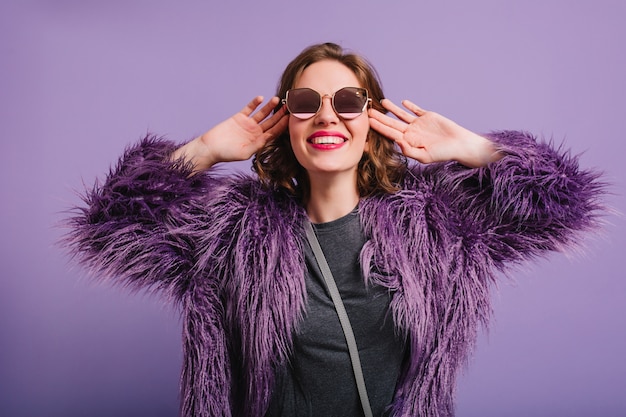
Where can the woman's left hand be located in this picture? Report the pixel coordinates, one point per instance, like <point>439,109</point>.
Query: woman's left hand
<point>430,137</point>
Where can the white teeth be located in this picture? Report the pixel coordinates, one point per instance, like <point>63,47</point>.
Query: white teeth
<point>327,140</point>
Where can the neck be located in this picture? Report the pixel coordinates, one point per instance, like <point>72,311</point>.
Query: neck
<point>331,197</point>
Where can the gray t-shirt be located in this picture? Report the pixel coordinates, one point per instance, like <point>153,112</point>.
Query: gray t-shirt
<point>319,380</point>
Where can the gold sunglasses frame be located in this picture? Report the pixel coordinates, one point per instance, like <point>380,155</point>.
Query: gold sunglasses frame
<point>367,103</point>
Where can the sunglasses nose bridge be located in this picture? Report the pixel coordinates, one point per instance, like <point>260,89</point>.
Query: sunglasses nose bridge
<point>331,103</point>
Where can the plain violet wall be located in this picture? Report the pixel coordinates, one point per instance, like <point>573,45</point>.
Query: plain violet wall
<point>82,79</point>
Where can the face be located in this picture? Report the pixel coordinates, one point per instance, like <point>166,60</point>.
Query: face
<point>326,143</point>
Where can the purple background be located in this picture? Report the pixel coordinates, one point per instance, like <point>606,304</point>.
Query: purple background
<point>80,80</point>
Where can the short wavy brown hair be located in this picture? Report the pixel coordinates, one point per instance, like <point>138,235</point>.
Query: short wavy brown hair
<point>380,169</point>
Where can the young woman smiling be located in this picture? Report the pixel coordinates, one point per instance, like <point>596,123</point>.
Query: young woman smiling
<point>414,216</point>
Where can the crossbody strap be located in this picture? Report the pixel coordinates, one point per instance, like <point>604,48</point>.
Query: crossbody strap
<point>343,317</point>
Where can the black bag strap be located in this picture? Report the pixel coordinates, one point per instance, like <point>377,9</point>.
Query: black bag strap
<point>343,317</point>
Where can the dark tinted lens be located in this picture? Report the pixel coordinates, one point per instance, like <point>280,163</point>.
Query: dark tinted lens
<point>303,102</point>
<point>349,102</point>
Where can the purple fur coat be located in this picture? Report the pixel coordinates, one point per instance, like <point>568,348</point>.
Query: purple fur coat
<point>230,254</point>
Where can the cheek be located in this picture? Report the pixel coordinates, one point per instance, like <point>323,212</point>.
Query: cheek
<point>295,129</point>
<point>360,131</point>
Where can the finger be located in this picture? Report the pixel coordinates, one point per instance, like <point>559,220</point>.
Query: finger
<point>386,131</point>
<point>265,110</point>
<point>413,107</point>
<point>272,120</point>
<point>252,105</point>
<point>398,111</point>
<point>277,129</point>
<point>416,153</point>
<point>387,121</point>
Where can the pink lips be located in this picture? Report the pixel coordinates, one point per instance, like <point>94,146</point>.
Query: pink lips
<point>326,140</point>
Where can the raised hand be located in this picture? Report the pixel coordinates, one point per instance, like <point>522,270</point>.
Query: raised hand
<point>238,137</point>
<point>430,137</point>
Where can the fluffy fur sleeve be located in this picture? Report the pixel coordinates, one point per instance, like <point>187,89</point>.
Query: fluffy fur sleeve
<point>141,228</point>
<point>440,240</point>
<point>138,227</point>
<point>535,199</point>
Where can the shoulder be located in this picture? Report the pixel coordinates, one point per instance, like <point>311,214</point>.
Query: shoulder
<point>244,215</point>
<point>426,202</point>
<point>250,227</point>
<point>421,186</point>
<point>243,195</point>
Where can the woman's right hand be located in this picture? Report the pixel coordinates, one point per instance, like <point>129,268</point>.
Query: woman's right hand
<point>236,138</point>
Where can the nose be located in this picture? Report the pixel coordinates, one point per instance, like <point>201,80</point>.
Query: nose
<point>326,114</point>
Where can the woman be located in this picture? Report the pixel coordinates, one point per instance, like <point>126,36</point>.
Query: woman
<point>413,247</point>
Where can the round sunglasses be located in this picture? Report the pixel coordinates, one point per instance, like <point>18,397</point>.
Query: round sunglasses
<point>348,102</point>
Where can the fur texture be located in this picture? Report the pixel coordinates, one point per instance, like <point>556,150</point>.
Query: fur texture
<point>231,254</point>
